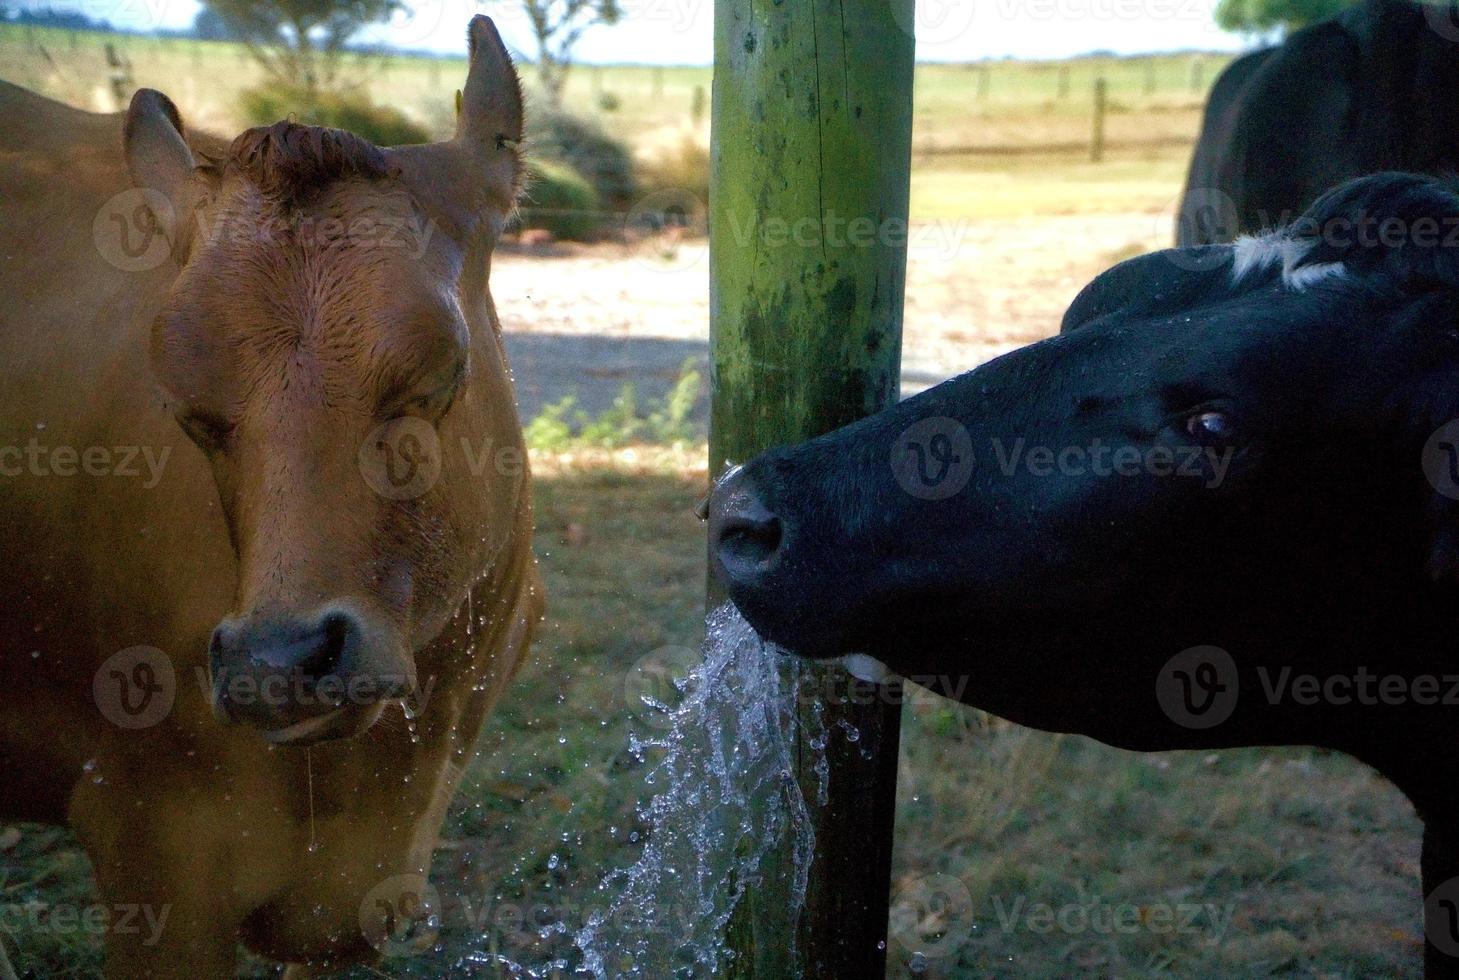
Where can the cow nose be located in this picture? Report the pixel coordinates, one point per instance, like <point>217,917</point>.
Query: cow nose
<point>276,671</point>
<point>745,536</point>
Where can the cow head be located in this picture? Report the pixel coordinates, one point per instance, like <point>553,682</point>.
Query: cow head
<point>1217,471</point>
<point>329,343</point>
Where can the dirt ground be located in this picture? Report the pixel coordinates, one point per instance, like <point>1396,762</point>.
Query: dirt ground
<point>585,320</point>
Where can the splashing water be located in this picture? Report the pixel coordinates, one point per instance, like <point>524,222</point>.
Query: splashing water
<point>728,798</point>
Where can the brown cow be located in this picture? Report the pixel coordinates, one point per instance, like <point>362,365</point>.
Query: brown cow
<point>266,515</point>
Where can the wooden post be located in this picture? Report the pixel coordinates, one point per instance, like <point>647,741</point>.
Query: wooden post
<point>1063,81</point>
<point>658,81</point>
<point>1101,99</point>
<point>1150,75</point>
<point>982,82</point>
<point>808,251</point>
<point>1198,73</point>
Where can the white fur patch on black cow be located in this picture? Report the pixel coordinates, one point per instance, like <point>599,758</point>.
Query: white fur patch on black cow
<point>1256,254</point>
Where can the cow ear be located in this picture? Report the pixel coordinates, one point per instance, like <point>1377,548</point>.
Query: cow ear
<point>160,161</point>
<point>470,183</point>
<point>489,120</point>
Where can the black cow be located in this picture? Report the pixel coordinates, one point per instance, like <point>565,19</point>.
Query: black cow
<point>1221,508</point>
<point>1375,88</point>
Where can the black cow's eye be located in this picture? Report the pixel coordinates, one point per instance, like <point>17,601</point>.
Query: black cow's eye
<point>1211,427</point>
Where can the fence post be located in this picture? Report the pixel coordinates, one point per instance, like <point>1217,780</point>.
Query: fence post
<point>805,336</point>
<point>1063,81</point>
<point>1101,99</point>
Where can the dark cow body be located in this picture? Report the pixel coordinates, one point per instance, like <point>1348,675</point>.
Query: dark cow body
<point>1372,89</point>
<point>1221,508</point>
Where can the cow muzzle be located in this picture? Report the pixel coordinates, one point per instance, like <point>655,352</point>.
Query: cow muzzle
<point>746,539</point>
<point>305,679</point>
<point>755,552</point>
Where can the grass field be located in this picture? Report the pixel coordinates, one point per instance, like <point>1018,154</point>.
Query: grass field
<point>1269,862</point>
<point>979,131</point>
<point>1014,848</point>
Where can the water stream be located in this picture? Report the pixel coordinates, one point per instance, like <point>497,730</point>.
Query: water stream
<point>726,798</point>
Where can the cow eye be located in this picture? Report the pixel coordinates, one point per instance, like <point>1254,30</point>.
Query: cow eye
<point>210,432</point>
<point>433,405</point>
<point>1211,428</point>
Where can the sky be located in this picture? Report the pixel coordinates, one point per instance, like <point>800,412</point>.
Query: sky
<point>681,31</point>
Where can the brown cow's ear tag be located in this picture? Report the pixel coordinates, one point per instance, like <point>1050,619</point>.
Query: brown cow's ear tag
<point>161,165</point>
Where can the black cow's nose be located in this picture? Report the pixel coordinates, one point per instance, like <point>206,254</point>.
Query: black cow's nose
<point>745,537</point>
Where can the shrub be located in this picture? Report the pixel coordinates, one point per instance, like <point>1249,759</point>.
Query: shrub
<point>583,145</point>
<point>666,421</point>
<point>683,168</point>
<point>380,125</point>
<point>559,200</point>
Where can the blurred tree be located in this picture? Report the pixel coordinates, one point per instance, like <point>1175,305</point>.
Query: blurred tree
<point>1261,16</point>
<point>557,26</point>
<point>299,41</point>
<point>209,25</point>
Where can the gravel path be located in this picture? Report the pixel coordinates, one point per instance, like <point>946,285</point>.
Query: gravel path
<point>583,321</point>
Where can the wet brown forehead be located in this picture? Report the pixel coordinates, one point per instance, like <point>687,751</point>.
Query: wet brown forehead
<point>319,294</point>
